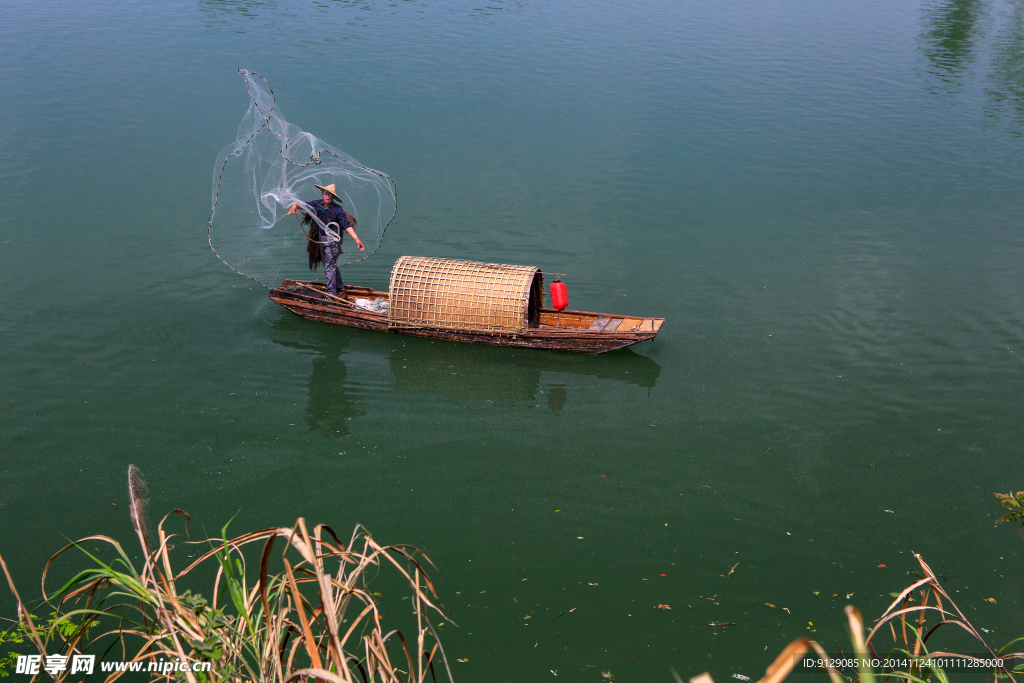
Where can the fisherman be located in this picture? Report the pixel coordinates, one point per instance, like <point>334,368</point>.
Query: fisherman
<point>324,239</point>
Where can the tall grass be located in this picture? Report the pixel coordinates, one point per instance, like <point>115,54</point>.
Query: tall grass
<point>311,618</point>
<point>920,611</point>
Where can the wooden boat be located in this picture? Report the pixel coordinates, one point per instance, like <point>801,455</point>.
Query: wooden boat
<point>468,301</point>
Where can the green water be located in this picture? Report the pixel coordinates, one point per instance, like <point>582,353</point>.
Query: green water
<point>824,200</point>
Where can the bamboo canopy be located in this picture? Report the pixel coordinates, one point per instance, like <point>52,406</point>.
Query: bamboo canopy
<point>446,294</point>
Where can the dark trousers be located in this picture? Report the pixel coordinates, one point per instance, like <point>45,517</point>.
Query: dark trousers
<point>332,274</point>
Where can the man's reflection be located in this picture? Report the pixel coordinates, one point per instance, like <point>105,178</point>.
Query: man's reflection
<point>331,404</point>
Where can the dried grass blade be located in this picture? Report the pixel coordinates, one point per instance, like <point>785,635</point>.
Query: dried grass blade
<point>328,529</point>
<point>963,622</point>
<point>859,644</point>
<point>405,648</point>
<point>327,603</point>
<point>377,655</point>
<point>264,578</point>
<point>318,673</point>
<point>440,647</point>
<point>833,673</point>
<point>919,645</point>
<point>418,567</point>
<point>137,505</point>
<point>302,544</point>
<point>907,591</point>
<point>78,544</point>
<point>235,542</point>
<point>370,607</point>
<point>22,612</point>
<point>784,663</point>
<point>162,553</point>
<point>898,613</point>
<point>307,633</point>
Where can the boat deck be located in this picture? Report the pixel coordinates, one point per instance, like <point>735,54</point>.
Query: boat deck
<point>594,322</point>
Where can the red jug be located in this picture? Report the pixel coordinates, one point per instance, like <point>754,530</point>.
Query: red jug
<point>559,295</point>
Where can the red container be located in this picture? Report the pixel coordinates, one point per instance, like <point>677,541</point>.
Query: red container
<point>559,295</point>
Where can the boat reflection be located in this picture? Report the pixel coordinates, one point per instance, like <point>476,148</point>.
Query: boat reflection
<point>473,371</point>
<point>469,371</point>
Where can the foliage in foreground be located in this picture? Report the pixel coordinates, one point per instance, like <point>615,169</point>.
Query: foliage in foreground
<point>910,639</point>
<point>911,631</point>
<point>1014,502</point>
<point>315,619</point>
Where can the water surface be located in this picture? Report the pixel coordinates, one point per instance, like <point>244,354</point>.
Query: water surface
<point>824,200</point>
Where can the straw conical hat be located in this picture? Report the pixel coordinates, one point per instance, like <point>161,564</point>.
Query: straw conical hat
<point>329,188</point>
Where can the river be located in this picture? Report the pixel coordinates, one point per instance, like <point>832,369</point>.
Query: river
<point>823,199</point>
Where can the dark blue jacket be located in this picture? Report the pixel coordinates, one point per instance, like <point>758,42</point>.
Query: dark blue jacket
<point>331,214</point>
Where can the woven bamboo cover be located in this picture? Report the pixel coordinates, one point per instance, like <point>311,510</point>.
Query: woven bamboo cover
<point>464,296</point>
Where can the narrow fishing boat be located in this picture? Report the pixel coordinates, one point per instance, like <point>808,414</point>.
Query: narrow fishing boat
<point>468,301</point>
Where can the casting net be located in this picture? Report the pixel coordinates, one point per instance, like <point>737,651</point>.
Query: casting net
<point>273,165</point>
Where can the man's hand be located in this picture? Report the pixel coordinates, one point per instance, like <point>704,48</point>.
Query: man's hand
<point>294,210</point>
<point>359,242</point>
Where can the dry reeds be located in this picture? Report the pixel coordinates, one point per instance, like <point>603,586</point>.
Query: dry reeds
<point>914,632</point>
<point>312,619</point>
<point>911,630</point>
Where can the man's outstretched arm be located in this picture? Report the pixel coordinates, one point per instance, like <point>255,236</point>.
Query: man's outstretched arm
<point>359,242</point>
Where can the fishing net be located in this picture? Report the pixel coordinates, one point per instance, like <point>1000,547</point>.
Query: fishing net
<point>273,165</point>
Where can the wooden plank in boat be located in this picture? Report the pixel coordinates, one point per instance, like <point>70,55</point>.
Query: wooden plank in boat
<point>611,325</point>
<point>599,323</point>
<point>629,324</point>
<point>571,319</point>
<point>647,326</point>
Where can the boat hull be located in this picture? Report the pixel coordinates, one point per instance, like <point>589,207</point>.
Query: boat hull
<point>575,331</point>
